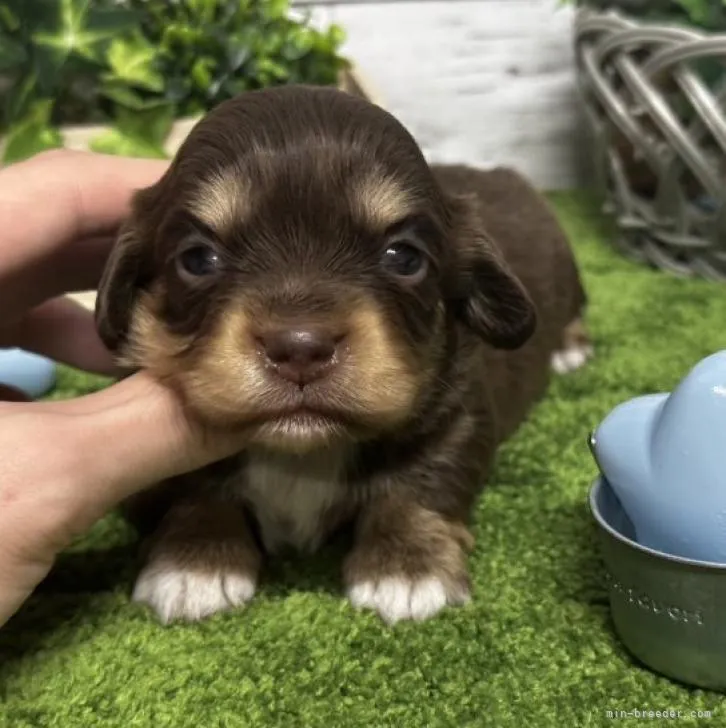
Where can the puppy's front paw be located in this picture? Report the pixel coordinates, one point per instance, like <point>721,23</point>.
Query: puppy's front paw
<point>177,592</point>
<point>202,560</point>
<point>397,598</point>
<point>408,563</point>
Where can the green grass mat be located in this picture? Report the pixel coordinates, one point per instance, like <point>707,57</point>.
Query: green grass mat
<point>535,648</point>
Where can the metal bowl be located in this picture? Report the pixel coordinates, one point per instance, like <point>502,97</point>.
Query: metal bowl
<point>669,612</point>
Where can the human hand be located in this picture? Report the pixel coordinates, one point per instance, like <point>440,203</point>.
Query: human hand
<point>64,464</point>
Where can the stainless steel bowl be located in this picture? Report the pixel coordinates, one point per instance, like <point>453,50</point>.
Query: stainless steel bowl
<point>669,612</point>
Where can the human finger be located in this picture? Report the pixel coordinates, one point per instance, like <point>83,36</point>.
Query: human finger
<point>62,330</point>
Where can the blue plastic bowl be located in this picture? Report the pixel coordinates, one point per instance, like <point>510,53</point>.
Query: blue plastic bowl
<point>29,373</point>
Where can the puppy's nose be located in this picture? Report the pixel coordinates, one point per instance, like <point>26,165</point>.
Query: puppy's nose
<point>300,355</point>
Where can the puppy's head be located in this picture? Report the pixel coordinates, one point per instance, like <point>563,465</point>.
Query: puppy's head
<point>297,270</point>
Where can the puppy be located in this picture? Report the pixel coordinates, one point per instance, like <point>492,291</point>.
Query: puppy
<point>377,325</point>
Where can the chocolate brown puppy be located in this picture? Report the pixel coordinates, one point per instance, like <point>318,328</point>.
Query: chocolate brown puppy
<point>377,325</point>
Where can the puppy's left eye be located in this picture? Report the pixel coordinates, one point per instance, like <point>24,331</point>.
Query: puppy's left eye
<point>405,261</point>
<point>198,261</point>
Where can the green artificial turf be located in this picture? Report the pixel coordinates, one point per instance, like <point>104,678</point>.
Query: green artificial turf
<point>535,648</point>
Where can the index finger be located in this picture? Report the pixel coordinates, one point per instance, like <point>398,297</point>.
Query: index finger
<point>61,195</point>
<point>54,200</point>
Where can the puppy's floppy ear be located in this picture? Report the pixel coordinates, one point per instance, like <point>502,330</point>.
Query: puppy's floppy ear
<point>127,269</point>
<point>490,299</point>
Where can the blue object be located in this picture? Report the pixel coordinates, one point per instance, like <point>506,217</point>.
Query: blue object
<point>664,455</point>
<point>31,374</point>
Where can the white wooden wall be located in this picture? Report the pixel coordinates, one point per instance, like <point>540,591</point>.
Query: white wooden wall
<point>484,82</point>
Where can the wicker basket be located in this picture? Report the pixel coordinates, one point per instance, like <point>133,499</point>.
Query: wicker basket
<point>655,101</point>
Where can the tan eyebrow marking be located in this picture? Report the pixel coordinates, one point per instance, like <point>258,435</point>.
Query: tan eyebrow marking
<point>221,200</point>
<point>380,199</point>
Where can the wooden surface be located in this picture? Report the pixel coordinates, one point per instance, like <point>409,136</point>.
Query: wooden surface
<point>485,82</point>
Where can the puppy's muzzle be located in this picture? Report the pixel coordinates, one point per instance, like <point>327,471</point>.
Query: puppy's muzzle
<point>301,355</point>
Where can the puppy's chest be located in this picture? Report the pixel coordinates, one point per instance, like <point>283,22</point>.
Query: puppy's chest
<point>296,501</point>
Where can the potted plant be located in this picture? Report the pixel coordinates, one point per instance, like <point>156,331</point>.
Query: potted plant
<point>131,77</point>
<point>652,77</point>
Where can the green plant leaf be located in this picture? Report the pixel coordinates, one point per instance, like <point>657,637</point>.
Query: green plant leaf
<point>176,37</point>
<point>82,28</point>
<point>12,53</point>
<point>137,133</point>
<point>63,32</point>
<point>32,12</point>
<point>277,8</point>
<point>707,14</point>
<point>48,64</point>
<point>9,20</point>
<point>17,100</point>
<point>32,134</point>
<point>272,70</point>
<point>697,10</point>
<point>130,98</point>
<point>152,124</point>
<point>178,89</point>
<point>115,141</point>
<point>133,61</point>
<point>202,71</point>
<point>204,11</point>
<point>298,44</point>
<point>99,56</point>
<point>238,50</point>
<point>336,35</point>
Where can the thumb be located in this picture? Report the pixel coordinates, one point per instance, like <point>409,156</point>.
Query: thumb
<point>100,449</point>
<point>138,432</point>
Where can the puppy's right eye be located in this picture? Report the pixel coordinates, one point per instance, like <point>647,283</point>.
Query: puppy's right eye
<point>199,261</point>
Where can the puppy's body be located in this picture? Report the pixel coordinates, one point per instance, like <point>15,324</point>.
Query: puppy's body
<point>538,253</point>
<point>432,370</point>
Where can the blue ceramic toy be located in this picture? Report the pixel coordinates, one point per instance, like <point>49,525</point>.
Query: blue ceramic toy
<point>665,458</point>
<point>31,374</point>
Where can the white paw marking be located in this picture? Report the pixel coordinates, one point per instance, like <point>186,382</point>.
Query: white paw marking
<point>190,595</point>
<point>568,360</point>
<point>396,598</point>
